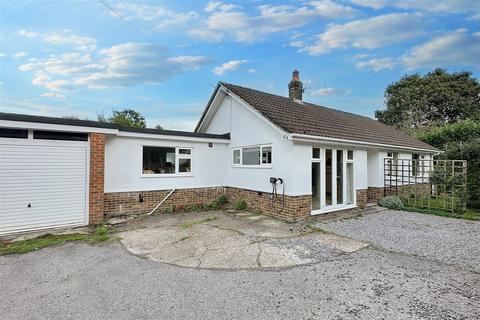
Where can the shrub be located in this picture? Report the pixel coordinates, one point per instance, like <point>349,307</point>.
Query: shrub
<point>392,202</point>
<point>222,200</point>
<point>240,205</point>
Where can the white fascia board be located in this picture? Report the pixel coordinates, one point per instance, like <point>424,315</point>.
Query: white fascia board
<point>310,138</point>
<point>53,127</point>
<point>169,137</point>
<point>212,108</point>
<point>254,111</point>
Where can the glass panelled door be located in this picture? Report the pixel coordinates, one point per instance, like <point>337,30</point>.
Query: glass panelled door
<point>332,179</point>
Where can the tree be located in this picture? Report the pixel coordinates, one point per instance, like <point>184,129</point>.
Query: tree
<point>158,127</point>
<point>459,141</point>
<point>434,99</point>
<point>127,118</point>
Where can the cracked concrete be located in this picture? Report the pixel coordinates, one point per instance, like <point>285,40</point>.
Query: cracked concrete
<point>228,241</point>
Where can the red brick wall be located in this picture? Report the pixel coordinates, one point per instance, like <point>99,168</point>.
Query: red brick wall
<point>362,198</point>
<point>297,208</point>
<point>128,203</point>
<point>97,169</point>
<point>374,194</point>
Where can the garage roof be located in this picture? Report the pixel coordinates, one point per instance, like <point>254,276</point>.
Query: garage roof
<point>105,125</point>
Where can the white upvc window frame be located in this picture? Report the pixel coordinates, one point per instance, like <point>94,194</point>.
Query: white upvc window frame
<point>178,156</point>
<point>261,165</point>
<point>322,160</point>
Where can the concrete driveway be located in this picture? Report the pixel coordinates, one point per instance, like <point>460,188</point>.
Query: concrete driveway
<point>78,281</point>
<point>230,241</point>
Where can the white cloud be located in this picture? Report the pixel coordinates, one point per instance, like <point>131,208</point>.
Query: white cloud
<point>2,55</point>
<point>435,6</point>
<point>28,34</point>
<point>324,92</point>
<point>65,38</point>
<point>454,48</point>
<point>20,54</point>
<point>368,33</point>
<point>297,44</point>
<point>228,21</point>
<point>228,66</point>
<point>122,65</point>
<point>161,16</point>
<point>218,5</point>
<point>54,95</point>
<point>251,70</point>
<point>377,64</point>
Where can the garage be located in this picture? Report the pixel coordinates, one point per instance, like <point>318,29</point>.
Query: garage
<point>43,179</point>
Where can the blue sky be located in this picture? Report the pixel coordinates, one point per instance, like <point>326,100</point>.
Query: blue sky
<point>80,58</point>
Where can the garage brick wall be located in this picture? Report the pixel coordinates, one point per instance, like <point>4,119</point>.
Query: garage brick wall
<point>97,170</point>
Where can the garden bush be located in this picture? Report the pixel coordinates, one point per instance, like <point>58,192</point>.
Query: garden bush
<point>391,202</point>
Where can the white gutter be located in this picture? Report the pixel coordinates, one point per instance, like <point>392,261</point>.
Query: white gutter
<point>310,138</point>
<point>170,137</point>
<point>53,127</point>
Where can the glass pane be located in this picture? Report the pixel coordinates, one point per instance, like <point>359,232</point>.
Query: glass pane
<point>328,177</point>
<point>158,160</point>
<point>350,155</point>
<point>236,156</point>
<point>185,165</point>
<point>184,151</point>
<point>251,156</point>
<point>349,181</point>
<point>339,176</point>
<point>266,155</point>
<point>315,185</point>
<point>316,153</point>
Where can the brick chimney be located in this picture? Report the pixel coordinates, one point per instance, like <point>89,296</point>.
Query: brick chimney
<point>295,87</point>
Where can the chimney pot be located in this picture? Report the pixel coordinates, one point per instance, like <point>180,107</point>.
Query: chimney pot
<point>295,87</point>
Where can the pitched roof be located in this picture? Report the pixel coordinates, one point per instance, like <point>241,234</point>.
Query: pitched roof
<point>306,118</point>
<point>106,125</point>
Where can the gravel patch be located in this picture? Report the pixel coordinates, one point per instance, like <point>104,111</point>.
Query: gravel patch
<point>441,239</point>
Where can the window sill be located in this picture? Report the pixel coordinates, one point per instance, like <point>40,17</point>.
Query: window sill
<point>166,175</point>
<point>269,166</point>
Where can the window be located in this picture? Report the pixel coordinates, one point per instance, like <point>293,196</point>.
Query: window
<point>316,153</point>
<point>236,156</point>
<point>56,135</point>
<point>252,156</point>
<point>266,155</point>
<point>350,155</point>
<point>13,133</point>
<point>166,160</point>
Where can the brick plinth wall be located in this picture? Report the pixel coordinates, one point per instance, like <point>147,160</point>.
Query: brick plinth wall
<point>362,198</point>
<point>97,169</point>
<point>128,203</point>
<point>374,194</point>
<point>297,208</point>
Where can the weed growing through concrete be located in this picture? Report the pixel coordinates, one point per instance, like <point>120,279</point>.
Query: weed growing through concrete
<point>183,238</point>
<point>240,205</point>
<point>100,234</point>
<point>189,224</point>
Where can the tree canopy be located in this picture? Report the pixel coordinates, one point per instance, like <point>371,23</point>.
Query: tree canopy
<point>434,99</point>
<point>127,118</point>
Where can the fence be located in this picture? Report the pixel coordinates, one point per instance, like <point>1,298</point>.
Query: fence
<point>429,184</point>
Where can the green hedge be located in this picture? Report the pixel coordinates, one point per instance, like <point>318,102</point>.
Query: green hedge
<point>459,141</point>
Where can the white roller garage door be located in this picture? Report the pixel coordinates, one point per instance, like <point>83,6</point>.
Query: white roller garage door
<point>43,184</point>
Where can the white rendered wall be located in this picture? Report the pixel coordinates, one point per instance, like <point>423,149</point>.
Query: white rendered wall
<point>123,165</point>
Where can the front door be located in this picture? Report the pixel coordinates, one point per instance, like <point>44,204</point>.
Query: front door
<point>332,179</point>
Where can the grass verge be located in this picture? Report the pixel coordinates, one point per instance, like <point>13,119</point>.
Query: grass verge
<point>189,224</point>
<point>100,234</point>
<point>467,215</point>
